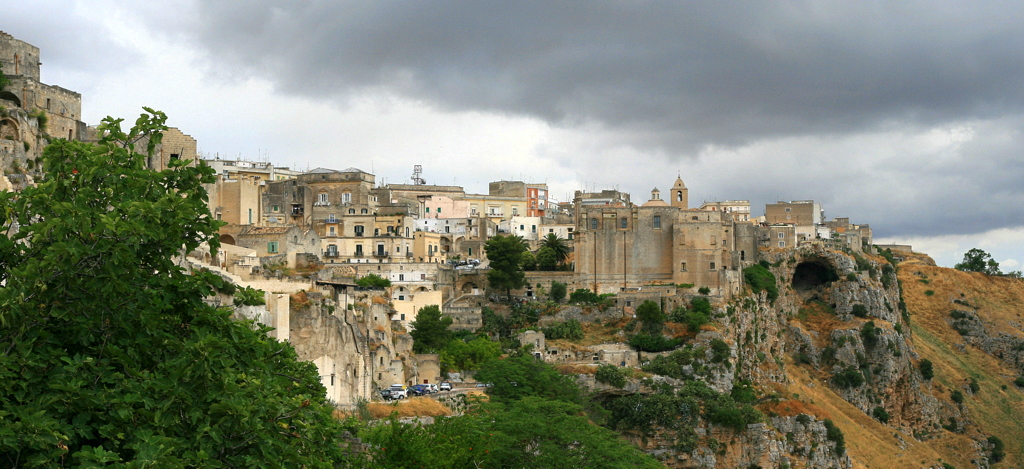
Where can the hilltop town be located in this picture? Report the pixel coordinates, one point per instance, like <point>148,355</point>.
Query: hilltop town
<point>786,296</point>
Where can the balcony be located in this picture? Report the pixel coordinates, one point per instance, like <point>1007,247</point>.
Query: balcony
<point>381,255</point>
<point>331,254</point>
<point>321,203</point>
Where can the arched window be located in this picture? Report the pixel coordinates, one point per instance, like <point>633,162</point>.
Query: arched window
<point>351,211</point>
<point>679,196</point>
<point>363,211</point>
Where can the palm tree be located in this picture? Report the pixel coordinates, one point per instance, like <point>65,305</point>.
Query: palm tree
<point>558,245</point>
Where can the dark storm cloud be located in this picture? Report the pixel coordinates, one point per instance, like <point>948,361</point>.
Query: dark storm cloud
<point>674,80</point>
<point>677,72</point>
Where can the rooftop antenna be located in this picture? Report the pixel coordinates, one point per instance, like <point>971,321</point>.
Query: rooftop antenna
<point>417,172</point>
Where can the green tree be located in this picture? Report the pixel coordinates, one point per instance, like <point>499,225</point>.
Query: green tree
<point>373,281</point>
<point>430,331</point>
<point>547,260</point>
<point>505,256</point>
<point>977,260</point>
<point>651,315</point>
<point>460,355</point>
<point>558,246</point>
<point>111,356</point>
<point>521,375</point>
<point>558,290</point>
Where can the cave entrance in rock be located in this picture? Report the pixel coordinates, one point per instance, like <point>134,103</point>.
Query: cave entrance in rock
<point>813,274</point>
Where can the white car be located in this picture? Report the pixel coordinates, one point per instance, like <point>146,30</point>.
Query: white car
<point>398,391</point>
<point>445,386</point>
<point>431,388</point>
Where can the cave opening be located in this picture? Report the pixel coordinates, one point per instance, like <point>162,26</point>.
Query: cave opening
<point>812,274</point>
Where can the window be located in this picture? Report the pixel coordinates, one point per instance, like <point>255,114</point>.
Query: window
<point>623,222</point>
<point>272,247</point>
<point>331,219</point>
<point>363,211</point>
<point>682,267</point>
<point>788,209</point>
<point>407,232</point>
<point>712,266</point>
<point>359,250</point>
<point>533,228</point>
<point>351,211</point>
<point>322,198</point>
<point>743,255</point>
<point>401,277</point>
<point>346,198</point>
<point>782,235</point>
<point>359,230</point>
<point>679,196</point>
<point>438,209</point>
<point>403,317</point>
<point>276,208</point>
<point>427,209</point>
<point>593,223</point>
<point>332,231</point>
<point>657,221</point>
<point>332,250</point>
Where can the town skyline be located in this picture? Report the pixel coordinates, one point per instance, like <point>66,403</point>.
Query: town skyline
<point>943,147</point>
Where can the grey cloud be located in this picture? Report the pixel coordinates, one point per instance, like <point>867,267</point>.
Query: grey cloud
<point>685,73</point>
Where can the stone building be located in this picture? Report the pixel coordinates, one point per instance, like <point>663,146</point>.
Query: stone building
<point>619,245</point>
<point>33,110</point>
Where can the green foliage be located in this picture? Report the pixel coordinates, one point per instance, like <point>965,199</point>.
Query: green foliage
<point>926,369</point>
<point>974,386</point>
<point>651,315</point>
<point>460,355</point>
<point>42,119</point>
<point>880,414</point>
<point>547,259</point>
<point>851,276</point>
<point>870,334</point>
<point>430,332</point>
<point>558,291</point>
<point>570,330</point>
<point>859,311</point>
<point>521,375</point>
<point>888,275</point>
<point>998,449</point>
<point>977,260</point>
<point>744,393</point>
<point>704,291</point>
<point>680,411</point>
<point>4,81</point>
<point>521,316</point>
<point>761,279</point>
<point>1019,382</point>
<point>671,365</point>
<point>112,357</point>
<point>848,378</point>
<point>248,296</point>
<point>528,261</point>
<point>373,281</point>
<point>834,434</point>
<point>697,315</point>
<point>957,397</point>
<point>653,342</point>
<point>929,292</point>
<point>719,351</point>
<point>557,246</point>
<point>505,254</point>
<point>610,374</point>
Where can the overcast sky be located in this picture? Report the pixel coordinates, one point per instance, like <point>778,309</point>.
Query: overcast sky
<point>903,115</point>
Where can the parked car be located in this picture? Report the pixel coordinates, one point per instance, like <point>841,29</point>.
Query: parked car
<point>432,388</point>
<point>418,390</point>
<point>445,386</point>
<point>398,391</point>
<point>386,395</point>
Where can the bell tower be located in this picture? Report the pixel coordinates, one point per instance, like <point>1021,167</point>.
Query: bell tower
<point>680,194</point>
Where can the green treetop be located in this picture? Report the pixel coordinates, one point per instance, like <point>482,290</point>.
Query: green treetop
<point>430,330</point>
<point>110,355</point>
<point>977,260</point>
<point>505,256</point>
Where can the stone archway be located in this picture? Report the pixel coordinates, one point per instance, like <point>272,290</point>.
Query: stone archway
<point>227,239</point>
<point>9,130</point>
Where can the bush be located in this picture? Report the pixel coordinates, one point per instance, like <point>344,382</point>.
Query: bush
<point>975,387</point>
<point>610,374</point>
<point>704,291</point>
<point>860,311</point>
<point>653,342</point>
<point>929,292</point>
<point>761,279</point>
<point>719,351</point>
<point>957,397</point>
<point>880,414</point>
<point>671,365</point>
<point>571,330</point>
<point>870,334</point>
<point>998,449</point>
<point>558,291</point>
<point>1019,381</point>
<point>851,276</point>
<point>848,378</point>
<point>833,433</point>
<point>249,296</point>
<point>650,313</point>
<point>373,281</point>
<point>926,369</point>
